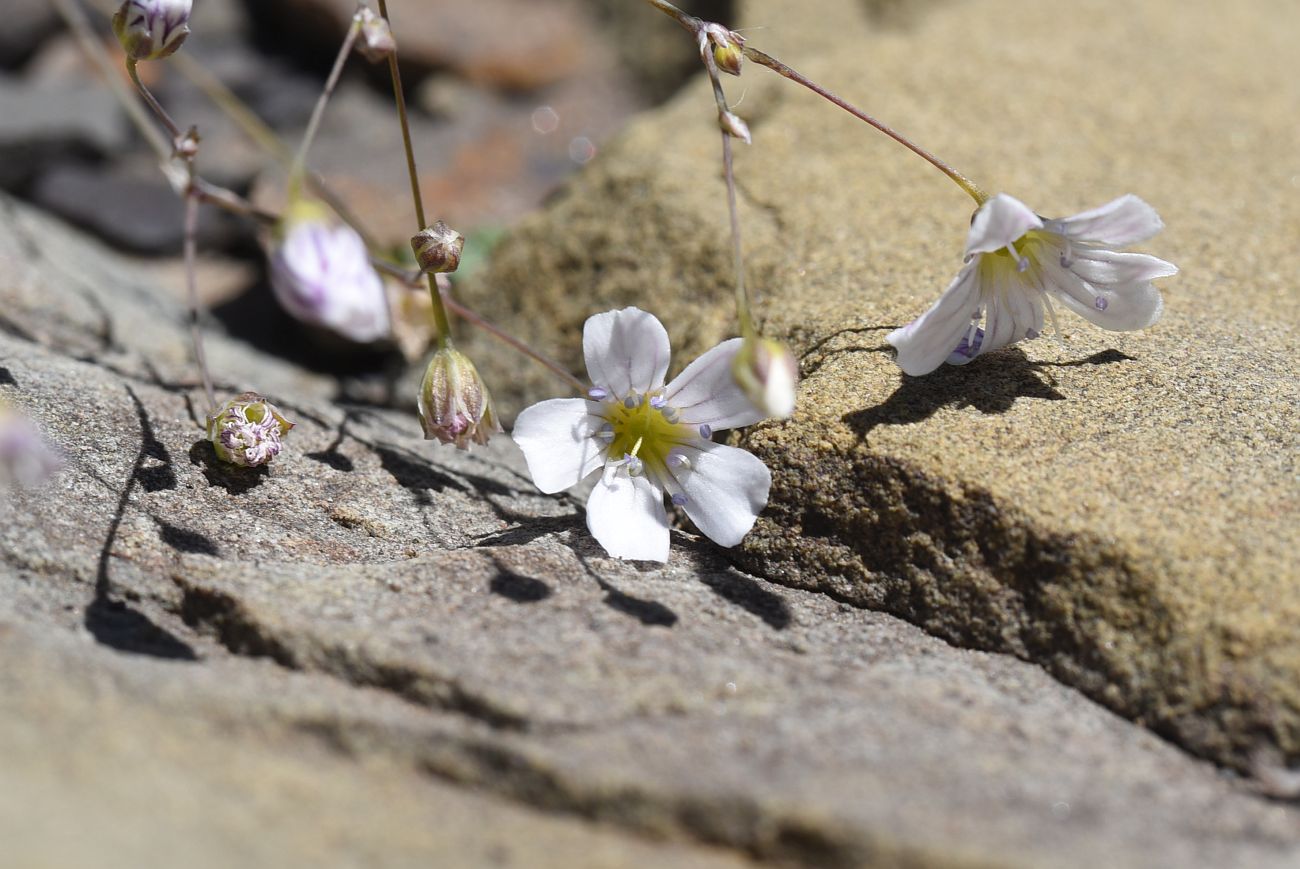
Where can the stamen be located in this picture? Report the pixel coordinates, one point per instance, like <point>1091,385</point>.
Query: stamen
<point>658,402</point>
<point>1100,303</point>
<point>631,401</point>
<point>599,393</point>
<point>706,431</point>
<point>1067,255</point>
<point>678,460</point>
<point>634,465</point>
<point>1051,312</point>
<point>679,499</point>
<point>671,414</point>
<point>1022,263</point>
<point>605,432</point>
<point>1031,334</point>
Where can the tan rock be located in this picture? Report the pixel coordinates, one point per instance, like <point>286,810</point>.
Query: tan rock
<point>1122,508</point>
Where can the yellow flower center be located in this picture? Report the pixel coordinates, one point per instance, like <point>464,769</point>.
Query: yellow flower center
<point>644,431</point>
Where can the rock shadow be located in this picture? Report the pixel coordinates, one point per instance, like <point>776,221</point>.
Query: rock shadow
<point>751,596</point>
<point>185,540</point>
<point>232,478</point>
<point>516,586</point>
<point>990,384</point>
<point>114,623</point>
<point>6,377</point>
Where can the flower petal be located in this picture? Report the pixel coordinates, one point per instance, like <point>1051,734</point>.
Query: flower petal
<point>725,489</point>
<point>1015,313</point>
<point>1000,221</point>
<point>1120,222</point>
<point>626,516</point>
<point>706,393</point>
<point>556,437</point>
<point>1101,266</point>
<point>1117,307</point>
<point>924,344</point>
<point>626,350</point>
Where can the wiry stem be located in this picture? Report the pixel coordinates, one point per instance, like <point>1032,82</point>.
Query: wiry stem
<point>192,288</point>
<point>151,101</point>
<point>298,169</point>
<point>762,59</point>
<point>399,96</point>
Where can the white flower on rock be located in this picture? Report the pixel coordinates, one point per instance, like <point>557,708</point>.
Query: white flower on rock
<point>649,439</point>
<point>1018,262</point>
<point>321,274</point>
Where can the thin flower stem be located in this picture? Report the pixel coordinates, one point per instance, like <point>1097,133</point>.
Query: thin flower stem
<point>508,339</point>
<point>412,279</point>
<point>151,101</point>
<point>298,169</point>
<point>75,18</point>
<point>747,330</point>
<point>762,59</point>
<point>690,22</point>
<point>399,96</point>
<point>192,288</point>
<point>266,139</point>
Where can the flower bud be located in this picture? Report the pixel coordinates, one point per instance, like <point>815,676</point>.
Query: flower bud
<point>455,405</point>
<point>767,372</point>
<point>437,248</point>
<point>727,48</point>
<point>376,41</point>
<point>25,457</point>
<point>732,124</point>
<point>246,431</point>
<point>321,274</point>
<point>152,29</point>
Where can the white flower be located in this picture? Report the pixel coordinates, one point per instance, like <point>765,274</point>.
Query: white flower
<point>650,439</point>
<point>1017,262</point>
<point>152,29</point>
<point>321,273</point>
<point>25,456</point>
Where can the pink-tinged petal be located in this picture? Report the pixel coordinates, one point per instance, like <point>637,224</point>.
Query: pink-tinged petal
<point>626,516</point>
<point>626,350</point>
<point>925,343</point>
<point>998,223</point>
<point>1101,266</point>
<point>556,437</point>
<point>706,393</point>
<point>726,488</point>
<point>1117,307</point>
<point>1015,313</point>
<point>1123,221</point>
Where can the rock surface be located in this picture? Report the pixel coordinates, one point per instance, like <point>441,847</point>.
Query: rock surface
<point>1122,508</point>
<point>381,652</point>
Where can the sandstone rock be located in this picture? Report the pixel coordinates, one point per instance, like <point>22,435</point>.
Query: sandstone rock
<point>1120,508</point>
<point>45,124</point>
<point>379,651</point>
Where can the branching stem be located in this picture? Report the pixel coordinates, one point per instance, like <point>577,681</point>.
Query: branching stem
<point>299,167</point>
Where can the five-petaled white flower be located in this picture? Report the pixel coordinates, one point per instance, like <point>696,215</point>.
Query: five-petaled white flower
<point>650,439</point>
<point>1016,262</point>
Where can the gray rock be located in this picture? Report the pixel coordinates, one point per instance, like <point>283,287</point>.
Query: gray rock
<point>376,651</point>
<point>27,23</point>
<point>44,125</point>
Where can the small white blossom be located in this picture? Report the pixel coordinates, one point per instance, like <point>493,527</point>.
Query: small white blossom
<point>1017,262</point>
<point>650,440</point>
<point>321,274</point>
<point>247,430</point>
<point>152,29</point>
<point>768,373</point>
<point>25,456</point>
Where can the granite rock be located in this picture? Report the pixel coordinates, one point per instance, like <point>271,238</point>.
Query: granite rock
<point>1121,508</point>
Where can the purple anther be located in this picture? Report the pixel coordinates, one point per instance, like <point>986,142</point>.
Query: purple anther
<point>658,402</point>
<point>1101,303</point>
<point>706,431</point>
<point>679,499</point>
<point>1022,264</point>
<point>598,393</point>
<point>970,349</point>
<point>631,401</point>
<point>1031,334</point>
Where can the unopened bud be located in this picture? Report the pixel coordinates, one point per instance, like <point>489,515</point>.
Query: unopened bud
<point>767,372</point>
<point>376,41</point>
<point>152,29</point>
<point>437,248</point>
<point>732,124</point>
<point>455,405</point>
<point>727,46</point>
<point>25,457</point>
<point>247,430</point>
<point>321,274</point>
